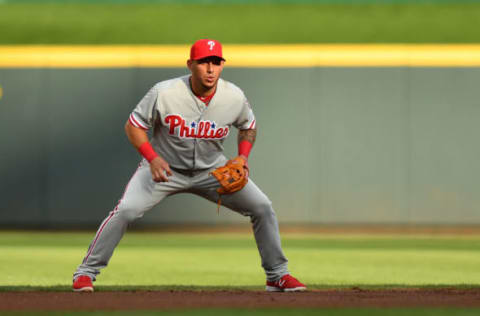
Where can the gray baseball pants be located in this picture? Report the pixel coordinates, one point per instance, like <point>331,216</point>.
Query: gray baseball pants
<point>142,193</point>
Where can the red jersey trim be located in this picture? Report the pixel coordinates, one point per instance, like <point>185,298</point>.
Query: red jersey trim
<point>206,100</point>
<point>135,123</point>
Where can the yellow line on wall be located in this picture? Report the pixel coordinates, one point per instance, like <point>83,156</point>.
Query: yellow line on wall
<point>278,56</point>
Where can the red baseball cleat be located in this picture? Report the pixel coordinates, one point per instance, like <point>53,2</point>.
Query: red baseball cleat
<point>287,283</point>
<point>83,284</point>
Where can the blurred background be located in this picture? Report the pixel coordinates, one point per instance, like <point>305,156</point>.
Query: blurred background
<point>366,142</point>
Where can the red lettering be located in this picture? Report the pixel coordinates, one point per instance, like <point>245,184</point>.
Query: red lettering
<point>200,129</point>
<point>212,134</point>
<point>184,129</point>
<point>207,127</point>
<point>219,133</point>
<point>174,121</point>
<point>203,128</point>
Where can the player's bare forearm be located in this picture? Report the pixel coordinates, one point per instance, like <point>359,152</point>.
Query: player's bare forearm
<point>136,136</point>
<point>247,134</point>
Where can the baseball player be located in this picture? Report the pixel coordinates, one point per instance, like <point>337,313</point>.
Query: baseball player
<point>189,118</point>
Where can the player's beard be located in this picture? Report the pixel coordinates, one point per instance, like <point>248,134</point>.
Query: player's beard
<point>209,85</point>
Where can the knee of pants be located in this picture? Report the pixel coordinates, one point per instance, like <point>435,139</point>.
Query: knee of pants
<point>130,212</point>
<point>263,209</point>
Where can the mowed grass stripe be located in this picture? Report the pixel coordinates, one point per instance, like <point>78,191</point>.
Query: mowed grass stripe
<point>239,241</point>
<point>319,55</point>
<point>210,266</point>
<point>149,23</point>
<point>43,259</point>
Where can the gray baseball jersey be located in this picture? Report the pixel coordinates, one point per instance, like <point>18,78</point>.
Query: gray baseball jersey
<point>189,136</point>
<point>187,133</point>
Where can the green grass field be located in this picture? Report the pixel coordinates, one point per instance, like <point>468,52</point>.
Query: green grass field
<point>159,261</point>
<point>76,23</point>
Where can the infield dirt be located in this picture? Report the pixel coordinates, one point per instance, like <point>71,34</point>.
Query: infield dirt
<point>148,300</point>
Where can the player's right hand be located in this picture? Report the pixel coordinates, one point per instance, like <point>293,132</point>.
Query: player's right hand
<point>160,170</point>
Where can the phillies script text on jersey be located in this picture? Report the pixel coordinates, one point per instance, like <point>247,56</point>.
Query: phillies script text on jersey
<point>202,129</point>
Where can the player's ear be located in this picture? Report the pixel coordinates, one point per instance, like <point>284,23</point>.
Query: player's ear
<point>189,64</point>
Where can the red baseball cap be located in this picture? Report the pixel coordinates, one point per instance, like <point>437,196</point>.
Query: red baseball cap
<point>205,48</point>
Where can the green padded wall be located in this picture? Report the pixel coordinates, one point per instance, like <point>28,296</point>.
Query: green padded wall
<point>335,145</point>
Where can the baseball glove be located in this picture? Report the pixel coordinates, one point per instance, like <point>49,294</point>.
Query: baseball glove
<point>233,176</point>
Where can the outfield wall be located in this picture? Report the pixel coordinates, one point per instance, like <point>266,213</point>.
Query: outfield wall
<point>335,144</point>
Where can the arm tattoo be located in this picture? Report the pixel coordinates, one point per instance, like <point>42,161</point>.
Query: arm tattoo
<point>248,135</point>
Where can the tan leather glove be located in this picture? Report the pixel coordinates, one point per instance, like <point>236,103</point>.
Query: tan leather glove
<point>233,176</point>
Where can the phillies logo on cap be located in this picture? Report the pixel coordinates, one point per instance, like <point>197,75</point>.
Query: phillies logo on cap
<point>206,48</point>
<point>211,44</point>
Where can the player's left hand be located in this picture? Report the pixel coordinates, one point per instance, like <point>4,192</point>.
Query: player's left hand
<point>245,163</point>
<point>233,176</point>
